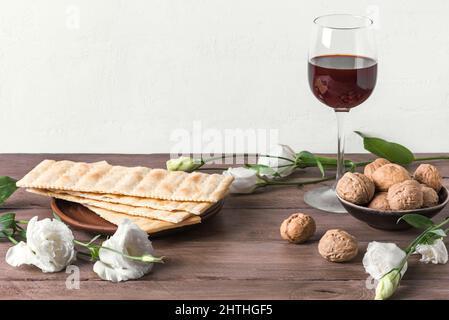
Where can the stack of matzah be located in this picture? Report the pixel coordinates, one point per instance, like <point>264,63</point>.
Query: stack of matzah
<point>155,199</point>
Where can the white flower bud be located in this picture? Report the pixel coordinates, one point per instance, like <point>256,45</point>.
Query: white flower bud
<point>280,166</point>
<point>245,180</point>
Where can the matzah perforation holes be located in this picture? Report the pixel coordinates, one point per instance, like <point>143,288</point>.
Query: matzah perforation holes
<point>129,182</point>
<point>211,188</point>
<point>150,182</point>
<point>64,178</point>
<point>221,188</point>
<point>56,169</point>
<point>180,177</point>
<point>185,189</point>
<point>98,169</point>
<point>143,182</point>
<point>35,174</point>
<point>109,180</point>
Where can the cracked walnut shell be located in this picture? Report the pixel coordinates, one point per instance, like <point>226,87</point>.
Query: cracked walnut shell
<point>428,175</point>
<point>298,228</point>
<point>355,188</point>
<point>405,195</point>
<point>388,175</point>
<point>373,166</point>
<point>338,246</point>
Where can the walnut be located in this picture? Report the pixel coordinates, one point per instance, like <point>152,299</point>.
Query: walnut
<point>355,188</point>
<point>298,228</point>
<point>388,175</point>
<point>380,202</point>
<point>430,196</point>
<point>429,175</point>
<point>338,246</point>
<point>405,195</point>
<point>373,166</point>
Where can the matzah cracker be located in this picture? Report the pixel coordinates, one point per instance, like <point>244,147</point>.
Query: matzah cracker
<point>169,216</point>
<point>193,207</point>
<point>102,177</point>
<point>146,224</point>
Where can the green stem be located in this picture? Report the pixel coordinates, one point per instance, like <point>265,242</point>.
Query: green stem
<point>330,162</point>
<point>432,158</point>
<point>442,223</point>
<point>22,221</point>
<point>275,157</point>
<point>258,155</point>
<point>139,258</point>
<point>13,240</point>
<point>294,183</point>
<point>361,164</point>
<point>411,248</point>
<point>224,169</point>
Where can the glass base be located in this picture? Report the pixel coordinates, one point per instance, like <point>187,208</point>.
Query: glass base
<point>324,198</point>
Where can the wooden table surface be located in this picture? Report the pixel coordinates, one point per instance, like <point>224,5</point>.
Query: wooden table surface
<point>238,254</point>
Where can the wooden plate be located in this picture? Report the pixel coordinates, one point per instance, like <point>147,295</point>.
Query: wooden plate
<point>81,218</point>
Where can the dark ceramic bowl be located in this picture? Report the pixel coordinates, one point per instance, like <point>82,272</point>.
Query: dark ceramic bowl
<point>386,220</point>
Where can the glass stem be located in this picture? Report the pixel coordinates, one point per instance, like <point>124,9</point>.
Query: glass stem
<point>341,118</point>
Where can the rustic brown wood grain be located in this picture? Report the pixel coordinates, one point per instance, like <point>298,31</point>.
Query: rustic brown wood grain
<point>236,255</point>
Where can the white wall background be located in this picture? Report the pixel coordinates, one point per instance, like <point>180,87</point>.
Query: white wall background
<point>121,75</point>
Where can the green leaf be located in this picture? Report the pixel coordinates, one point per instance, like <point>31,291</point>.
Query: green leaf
<point>320,166</point>
<point>391,151</point>
<point>308,157</point>
<point>7,233</point>
<point>22,233</point>
<point>438,232</point>
<point>262,169</point>
<point>429,238</point>
<point>7,221</point>
<point>417,221</point>
<point>94,253</point>
<point>7,187</point>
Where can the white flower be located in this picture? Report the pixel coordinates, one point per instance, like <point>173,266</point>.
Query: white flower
<point>435,253</point>
<point>380,258</point>
<point>49,246</point>
<point>280,166</point>
<point>130,240</point>
<point>245,180</point>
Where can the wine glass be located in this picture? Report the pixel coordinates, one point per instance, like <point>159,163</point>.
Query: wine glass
<point>342,74</point>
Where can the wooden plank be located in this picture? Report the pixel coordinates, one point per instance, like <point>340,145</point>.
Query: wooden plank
<point>237,254</point>
<point>216,289</point>
<point>179,290</point>
<point>224,249</point>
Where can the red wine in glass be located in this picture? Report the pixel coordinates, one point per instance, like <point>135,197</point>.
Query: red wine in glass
<point>342,71</point>
<point>342,82</point>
